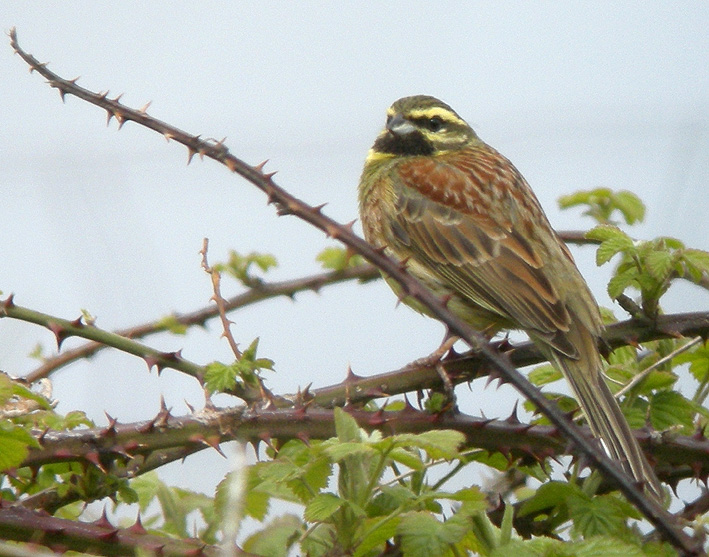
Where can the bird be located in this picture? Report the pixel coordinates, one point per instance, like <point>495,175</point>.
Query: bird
<point>465,223</point>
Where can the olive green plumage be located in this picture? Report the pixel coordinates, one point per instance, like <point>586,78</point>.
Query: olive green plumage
<point>470,228</point>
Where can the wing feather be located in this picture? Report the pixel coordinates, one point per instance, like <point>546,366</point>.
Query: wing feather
<point>487,258</point>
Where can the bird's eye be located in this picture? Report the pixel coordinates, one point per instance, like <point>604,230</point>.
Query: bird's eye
<point>435,123</point>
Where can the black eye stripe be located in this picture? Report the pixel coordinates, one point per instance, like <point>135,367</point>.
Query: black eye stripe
<point>433,123</point>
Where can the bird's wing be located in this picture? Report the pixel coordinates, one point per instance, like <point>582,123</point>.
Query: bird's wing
<point>467,221</point>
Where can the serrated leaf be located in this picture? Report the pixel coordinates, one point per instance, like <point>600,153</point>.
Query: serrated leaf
<point>390,497</point>
<point>595,516</point>
<point>630,205</point>
<point>322,507</point>
<point>604,232</point>
<point>660,264</point>
<point>310,478</point>
<point>276,538</point>
<point>574,199</point>
<point>15,445</point>
<point>536,547</point>
<point>339,451</point>
<point>548,496</point>
<point>697,263</point>
<point>544,374</point>
<point>220,377</point>
<point>669,409</point>
<point>338,259</point>
<point>422,535</point>
<point>442,443</point>
<point>657,380</point>
<point>239,266</point>
<point>376,536</point>
<point>607,547</point>
<point>612,246</point>
<point>618,284</point>
<point>406,457</point>
<point>346,426</point>
<point>172,323</point>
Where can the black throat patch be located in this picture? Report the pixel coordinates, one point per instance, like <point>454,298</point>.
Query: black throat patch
<point>410,144</point>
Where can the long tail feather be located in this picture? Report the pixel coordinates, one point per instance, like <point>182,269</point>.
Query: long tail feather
<point>602,411</point>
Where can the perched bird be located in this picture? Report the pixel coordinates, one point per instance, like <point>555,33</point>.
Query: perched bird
<point>469,227</point>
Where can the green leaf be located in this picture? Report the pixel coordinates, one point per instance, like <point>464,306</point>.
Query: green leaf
<point>607,547</point>
<point>389,499</point>
<point>442,443</point>
<point>221,377</point>
<point>6,388</point>
<point>423,536</point>
<point>630,205</point>
<point>660,264</point>
<point>377,532</point>
<point>15,445</point>
<point>669,409</point>
<point>536,547</point>
<point>549,496</point>
<point>411,459</point>
<point>172,323</point>
<point>340,451</point>
<point>697,262</point>
<point>602,203</point>
<point>544,374</point>
<point>311,478</point>
<point>322,507</point>
<point>346,427</point>
<point>255,500</point>
<point>474,499</point>
<point>618,284</point>
<point>276,538</point>
<point>239,266</point>
<point>604,232</point>
<point>338,259</point>
<point>657,380</point>
<point>698,360</point>
<point>596,516</point>
<point>10,388</point>
<point>618,243</point>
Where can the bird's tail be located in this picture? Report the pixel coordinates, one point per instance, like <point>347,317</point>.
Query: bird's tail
<point>602,411</point>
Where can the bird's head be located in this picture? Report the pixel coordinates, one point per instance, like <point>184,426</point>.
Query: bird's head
<point>421,125</point>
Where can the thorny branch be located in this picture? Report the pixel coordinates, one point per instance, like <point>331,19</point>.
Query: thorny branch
<point>123,449</point>
<point>258,293</point>
<point>287,204</point>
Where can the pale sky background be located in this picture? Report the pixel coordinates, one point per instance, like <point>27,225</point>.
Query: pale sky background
<point>577,94</point>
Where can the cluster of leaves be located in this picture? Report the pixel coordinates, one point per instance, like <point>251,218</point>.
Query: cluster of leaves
<point>383,496</point>
<point>647,266</point>
<point>71,483</point>
<point>600,204</point>
<point>651,400</point>
<point>241,266</point>
<point>244,372</point>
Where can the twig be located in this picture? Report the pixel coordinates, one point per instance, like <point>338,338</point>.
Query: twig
<point>641,376</point>
<point>218,299</point>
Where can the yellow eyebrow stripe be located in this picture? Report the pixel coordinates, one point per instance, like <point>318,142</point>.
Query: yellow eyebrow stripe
<point>442,113</point>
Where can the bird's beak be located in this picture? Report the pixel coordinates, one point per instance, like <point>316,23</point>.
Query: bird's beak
<point>399,125</point>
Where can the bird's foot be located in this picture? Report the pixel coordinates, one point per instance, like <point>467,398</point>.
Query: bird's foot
<point>435,360</point>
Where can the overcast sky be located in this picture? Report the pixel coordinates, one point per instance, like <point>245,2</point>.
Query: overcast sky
<point>577,94</point>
